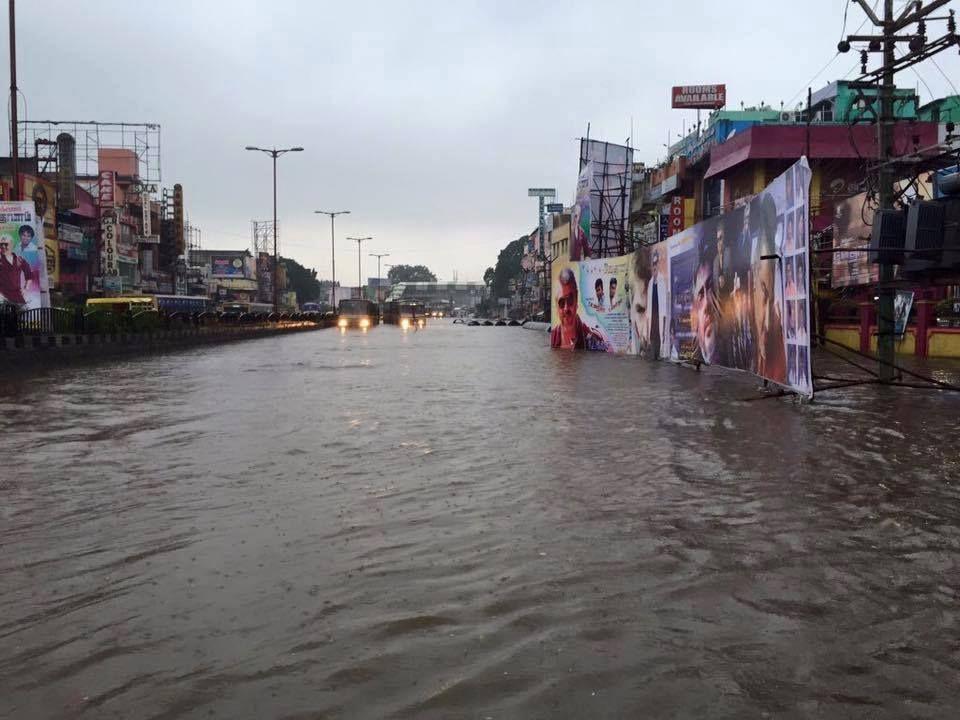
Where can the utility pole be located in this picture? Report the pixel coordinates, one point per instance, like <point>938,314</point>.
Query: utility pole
<point>333,254</point>
<point>920,49</point>
<point>275,153</point>
<point>378,256</point>
<point>14,130</point>
<point>359,241</point>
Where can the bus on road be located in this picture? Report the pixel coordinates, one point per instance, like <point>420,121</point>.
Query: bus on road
<point>358,314</point>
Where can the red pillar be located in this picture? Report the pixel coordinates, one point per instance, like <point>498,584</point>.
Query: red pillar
<point>925,320</point>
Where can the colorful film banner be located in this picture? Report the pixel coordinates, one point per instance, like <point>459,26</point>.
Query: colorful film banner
<point>23,256</point>
<point>734,290</point>
<point>591,308</point>
<point>580,217</point>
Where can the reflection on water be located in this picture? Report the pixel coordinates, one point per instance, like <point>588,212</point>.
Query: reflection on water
<point>461,523</point>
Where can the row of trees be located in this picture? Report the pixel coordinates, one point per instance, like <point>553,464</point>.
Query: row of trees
<point>304,280</point>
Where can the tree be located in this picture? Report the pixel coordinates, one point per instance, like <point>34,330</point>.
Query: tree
<point>302,280</point>
<point>410,273</point>
<point>488,276</point>
<point>507,269</point>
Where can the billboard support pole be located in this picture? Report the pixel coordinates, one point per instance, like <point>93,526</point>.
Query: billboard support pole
<point>14,139</point>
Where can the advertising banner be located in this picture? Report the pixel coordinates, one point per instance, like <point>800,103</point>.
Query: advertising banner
<point>44,196</point>
<point>852,225</point>
<point>591,308</point>
<point>226,266</point>
<point>23,261</point>
<point>730,291</point>
<point>738,288</point>
<point>706,97</point>
<point>902,304</point>
<point>580,216</point>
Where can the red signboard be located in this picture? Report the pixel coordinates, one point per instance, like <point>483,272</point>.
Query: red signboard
<point>676,216</point>
<point>108,180</point>
<point>707,97</point>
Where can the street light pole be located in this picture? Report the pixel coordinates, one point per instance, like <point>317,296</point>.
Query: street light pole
<point>333,254</point>
<point>378,256</point>
<point>275,153</point>
<point>359,269</point>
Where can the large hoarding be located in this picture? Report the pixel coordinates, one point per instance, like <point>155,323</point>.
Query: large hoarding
<point>226,266</point>
<point>730,291</point>
<point>611,178</point>
<point>23,256</point>
<point>706,97</point>
<point>591,305</point>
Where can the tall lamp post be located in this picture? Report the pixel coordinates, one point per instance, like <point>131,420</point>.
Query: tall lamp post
<point>275,153</point>
<point>378,256</point>
<point>359,269</point>
<point>333,254</point>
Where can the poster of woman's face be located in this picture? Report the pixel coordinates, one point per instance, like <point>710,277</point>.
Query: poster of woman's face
<point>791,320</point>
<point>789,191</point>
<point>801,319</point>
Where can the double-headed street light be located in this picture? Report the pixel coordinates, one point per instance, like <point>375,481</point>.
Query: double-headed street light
<point>333,254</point>
<point>275,153</point>
<point>378,256</point>
<point>359,240</point>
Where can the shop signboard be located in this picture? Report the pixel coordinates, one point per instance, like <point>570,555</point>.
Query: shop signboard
<point>107,188</point>
<point>694,97</point>
<point>108,251</point>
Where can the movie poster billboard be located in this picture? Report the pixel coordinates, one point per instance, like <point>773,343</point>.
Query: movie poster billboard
<point>23,261</point>
<point>734,289</point>
<point>580,216</point>
<point>265,277</point>
<point>591,307</point>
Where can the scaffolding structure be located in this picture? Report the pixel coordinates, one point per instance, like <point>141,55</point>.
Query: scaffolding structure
<point>610,192</point>
<point>37,138</point>
<point>262,235</point>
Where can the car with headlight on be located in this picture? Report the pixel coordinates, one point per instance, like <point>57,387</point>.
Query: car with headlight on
<point>358,314</point>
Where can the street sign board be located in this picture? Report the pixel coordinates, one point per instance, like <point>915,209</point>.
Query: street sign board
<point>707,97</point>
<point>542,192</point>
<point>555,207</point>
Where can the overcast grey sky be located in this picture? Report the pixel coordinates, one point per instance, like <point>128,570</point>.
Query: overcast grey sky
<point>428,120</point>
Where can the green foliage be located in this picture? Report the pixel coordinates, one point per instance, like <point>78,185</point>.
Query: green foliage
<point>302,280</point>
<point>410,273</point>
<point>488,275</point>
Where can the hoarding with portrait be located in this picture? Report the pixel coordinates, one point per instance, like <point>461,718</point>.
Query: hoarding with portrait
<point>735,288</point>
<point>591,307</point>
<point>731,291</point>
<point>23,256</point>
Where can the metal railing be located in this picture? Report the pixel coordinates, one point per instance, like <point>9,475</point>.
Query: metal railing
<point>15,322</point>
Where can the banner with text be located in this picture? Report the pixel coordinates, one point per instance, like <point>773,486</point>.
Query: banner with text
<point>591,305</point>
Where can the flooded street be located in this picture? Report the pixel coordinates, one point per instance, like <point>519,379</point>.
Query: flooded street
<point>462,523</point>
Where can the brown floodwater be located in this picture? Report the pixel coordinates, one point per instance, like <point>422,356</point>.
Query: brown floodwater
<point>462,523</point>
